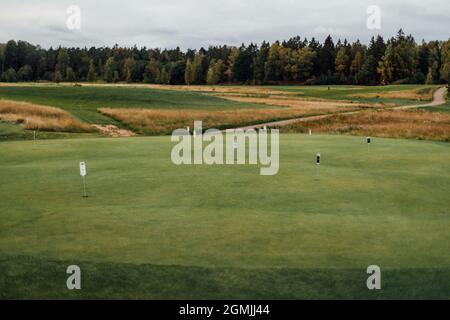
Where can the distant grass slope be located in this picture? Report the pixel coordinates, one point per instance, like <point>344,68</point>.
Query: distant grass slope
<point>83,102</point>
<point>150,229</point>
<point>342,92</point>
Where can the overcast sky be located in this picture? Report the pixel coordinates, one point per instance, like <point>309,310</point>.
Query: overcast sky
<point>197,23</point>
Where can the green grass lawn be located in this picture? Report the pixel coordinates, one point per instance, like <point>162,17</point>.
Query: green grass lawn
<point>83,102</point>
<point>150,229</point>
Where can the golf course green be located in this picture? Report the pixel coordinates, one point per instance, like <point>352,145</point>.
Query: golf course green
<point>153,230</point>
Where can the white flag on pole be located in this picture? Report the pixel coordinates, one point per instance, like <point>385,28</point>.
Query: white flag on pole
<point>82,169</point>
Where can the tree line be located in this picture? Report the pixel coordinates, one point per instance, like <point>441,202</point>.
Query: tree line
<point>399,59</point>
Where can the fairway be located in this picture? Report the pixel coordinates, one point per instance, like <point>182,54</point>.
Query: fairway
<point>152,230</point>
<point>83,102</point>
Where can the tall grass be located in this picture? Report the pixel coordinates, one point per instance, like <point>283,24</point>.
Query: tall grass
<point>386,123</point>
<point>160,121</point>
<point>37,117</point>
<point>303,103</point>
<point>422,94</point>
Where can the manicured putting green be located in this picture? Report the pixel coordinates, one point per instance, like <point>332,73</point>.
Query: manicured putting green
<point>150,229</point>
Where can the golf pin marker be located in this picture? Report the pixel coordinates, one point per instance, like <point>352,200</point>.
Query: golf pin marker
<point>83,175</point>
<point>317,165</point>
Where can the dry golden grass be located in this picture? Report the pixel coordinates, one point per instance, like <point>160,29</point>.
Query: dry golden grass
<point>424,94</point>
<point>310,103</point>
<point>113,131</point>
<point>36,117</point>
<point>165,121</point>
<point>386,123</point>
<point>242,90</point>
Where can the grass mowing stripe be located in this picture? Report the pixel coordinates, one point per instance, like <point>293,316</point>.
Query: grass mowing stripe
<point>26,277</point>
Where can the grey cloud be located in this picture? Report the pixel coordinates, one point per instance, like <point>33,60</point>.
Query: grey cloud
<point>199,23</point>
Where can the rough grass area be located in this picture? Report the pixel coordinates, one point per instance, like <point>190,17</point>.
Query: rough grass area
<point>36,117</point>
<point>386,123</point>
<point>13,131</point>
<point>305,103</point>
<point>165,121</point>
<point>422,94</point>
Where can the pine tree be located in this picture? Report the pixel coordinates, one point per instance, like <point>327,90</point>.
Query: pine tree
<point>63,62</point>
<point>327,56</point>
<point>259,62</point>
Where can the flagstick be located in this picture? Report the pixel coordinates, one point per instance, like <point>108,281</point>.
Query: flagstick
<point>83,175</point>
<point>317,165</point>
<point>84,188</point>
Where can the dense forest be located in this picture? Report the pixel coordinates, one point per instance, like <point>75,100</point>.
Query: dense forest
<point>396,60</point>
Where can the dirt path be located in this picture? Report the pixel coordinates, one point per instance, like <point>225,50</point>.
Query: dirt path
<point>438,99</point>
<point>113,131</point>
